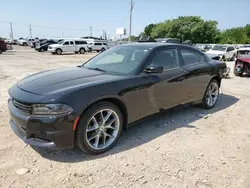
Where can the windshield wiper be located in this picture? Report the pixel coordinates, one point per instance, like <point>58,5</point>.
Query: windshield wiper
<point>97,69</point>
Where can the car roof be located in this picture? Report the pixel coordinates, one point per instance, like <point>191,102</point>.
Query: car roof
<point>152,44</point>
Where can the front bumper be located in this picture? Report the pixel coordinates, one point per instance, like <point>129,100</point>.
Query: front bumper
<point>49,132</point>
<point>52,50</point>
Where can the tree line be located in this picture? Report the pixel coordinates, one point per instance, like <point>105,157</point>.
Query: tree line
<point>197,30</point>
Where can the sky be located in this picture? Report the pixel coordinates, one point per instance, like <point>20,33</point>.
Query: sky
<point>63,18</point>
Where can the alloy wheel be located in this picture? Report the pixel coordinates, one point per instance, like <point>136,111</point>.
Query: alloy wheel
<point>102,129</point>
<point>212,94</point>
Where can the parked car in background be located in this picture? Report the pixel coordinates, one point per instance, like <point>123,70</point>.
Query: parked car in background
<point>97,46</point>
<point>64,46</point>
<point>225,52</point>
<point>243,50</point>
<point>89,105</point>
<point>22,42</point>
<point>43,46</point>
<point>3,46</point>
<point>40,42</point>
<point>242,65</point>
<point>168,40</point>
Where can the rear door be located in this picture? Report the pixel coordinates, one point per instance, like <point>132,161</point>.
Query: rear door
<point>197,73</point>
<point>169,91</point>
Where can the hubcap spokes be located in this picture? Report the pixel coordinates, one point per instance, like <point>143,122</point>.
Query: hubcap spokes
<point>102,129</point>
<point>212,94</point>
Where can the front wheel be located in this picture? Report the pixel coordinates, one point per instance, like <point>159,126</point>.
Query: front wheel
<point>42,50</point>
<point>211,95</point>
<point>58,51</point>
<point>90,49</point>
<point>233,58</point>
<point>99,128</point>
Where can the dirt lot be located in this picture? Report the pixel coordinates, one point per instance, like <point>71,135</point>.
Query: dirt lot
<point>177,149</point>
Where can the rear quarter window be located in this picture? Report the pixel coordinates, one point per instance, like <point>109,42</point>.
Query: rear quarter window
<point>191,57</point>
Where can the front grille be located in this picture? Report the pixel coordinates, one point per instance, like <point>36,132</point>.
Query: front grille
<point>22,107</point>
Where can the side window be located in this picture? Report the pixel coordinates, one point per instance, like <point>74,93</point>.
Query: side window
<point>84,42</point>
<point>167,58</point>
<point>66,43</point>
<point>192,57</point>
<point>77,42</point>
<point>71,43</point>
<point>98,44</point>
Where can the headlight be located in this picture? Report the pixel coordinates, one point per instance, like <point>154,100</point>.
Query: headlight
<point>51,109</point>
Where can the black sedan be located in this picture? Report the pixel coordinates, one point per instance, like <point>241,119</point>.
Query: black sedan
<point>89,105</point>
<point>43,46</point>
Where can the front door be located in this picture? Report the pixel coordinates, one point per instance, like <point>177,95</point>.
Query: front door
<point>169,89</point>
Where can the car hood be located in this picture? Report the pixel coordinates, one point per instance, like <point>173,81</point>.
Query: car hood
<point>63,80</point>
<point>55,45</point>
<point>215,52</point>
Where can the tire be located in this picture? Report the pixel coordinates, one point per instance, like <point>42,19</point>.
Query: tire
<point>233,58</point>
<point>58,51</point>
<point>25,44</point>
<point>82,51</point>
<point>42,50</point>
<point>85,139</point>
<point>103,49</point>
<point>90,49</point>
<point>1,51</point>
<point>238,73</point>
<point>205,101</point>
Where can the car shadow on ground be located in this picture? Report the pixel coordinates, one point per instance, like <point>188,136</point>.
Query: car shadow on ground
<point>145,131</point>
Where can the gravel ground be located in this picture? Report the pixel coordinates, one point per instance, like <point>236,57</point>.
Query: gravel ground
<point>175,149</point>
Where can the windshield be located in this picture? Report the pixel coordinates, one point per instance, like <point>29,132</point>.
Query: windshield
<point>245,46</point>
<point>62,41</point>
<point>119,59</point>
<point>219,48</point>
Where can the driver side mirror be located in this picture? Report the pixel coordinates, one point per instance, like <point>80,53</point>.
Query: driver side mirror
<point>153,69</point>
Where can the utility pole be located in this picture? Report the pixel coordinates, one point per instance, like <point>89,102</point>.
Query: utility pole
<point>90,29</point>
<point>30,32</point>
<point>130,22</point>
<point>11,32</point>
<point>104,34</point>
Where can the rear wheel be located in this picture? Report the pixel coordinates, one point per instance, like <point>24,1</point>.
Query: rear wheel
<point>42,50</point>
<point>211,95</point>
<point>82,51</point>
<point>58,51</point>
<point>99,128</point>
<point>103,49</point>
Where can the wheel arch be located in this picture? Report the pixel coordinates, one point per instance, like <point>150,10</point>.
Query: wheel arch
<point>217,78</point>
<point>112,99</point>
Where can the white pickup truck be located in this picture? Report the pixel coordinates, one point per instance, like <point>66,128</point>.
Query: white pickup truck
<point>64,46</point>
